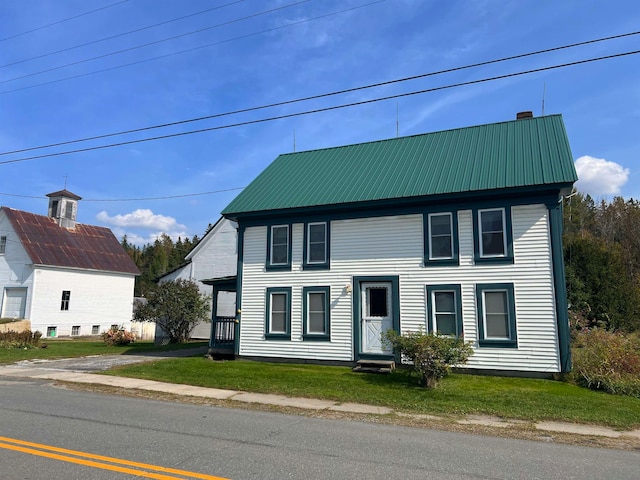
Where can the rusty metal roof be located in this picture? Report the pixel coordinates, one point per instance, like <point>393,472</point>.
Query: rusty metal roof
<point>85,246</point>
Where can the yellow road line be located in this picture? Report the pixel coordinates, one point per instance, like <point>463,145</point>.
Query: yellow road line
<point>44,451</point>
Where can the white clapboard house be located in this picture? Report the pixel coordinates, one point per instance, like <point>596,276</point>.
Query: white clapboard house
<point>66,278</point>
<point>458,231</point>
<point>214,256</point>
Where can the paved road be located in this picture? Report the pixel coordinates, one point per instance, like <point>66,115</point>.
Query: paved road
<point>242,444</point>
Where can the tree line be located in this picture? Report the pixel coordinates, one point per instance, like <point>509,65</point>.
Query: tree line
<point>602,262</point>
<point>156,259</point>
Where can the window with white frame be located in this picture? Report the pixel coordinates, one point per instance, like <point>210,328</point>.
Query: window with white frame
<point>444,309</point>
<point>440,236</point>
<point>75,330</point>
<point>52,332</point>
<point>279,250</point>
<point>316,243</point>
<point>496,315</point>
<point>278,314</point>
<point>493,238</point>
<point>66,298</point>
<point>3,245</point>
<point>315,304</point>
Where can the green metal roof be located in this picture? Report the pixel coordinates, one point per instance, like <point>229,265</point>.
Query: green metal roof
<point>521,153</point>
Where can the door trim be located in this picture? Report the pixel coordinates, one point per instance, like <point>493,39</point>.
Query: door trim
<point>357,309</point>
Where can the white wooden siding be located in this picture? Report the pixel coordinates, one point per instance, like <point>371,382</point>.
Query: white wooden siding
<point>393,245</point>
<point>97,298</point>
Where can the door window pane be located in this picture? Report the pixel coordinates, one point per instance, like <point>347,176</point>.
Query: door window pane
<point>377,302</point>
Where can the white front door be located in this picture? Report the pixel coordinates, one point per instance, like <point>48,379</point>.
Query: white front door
<point>377,317</point>
<point>14,302</point>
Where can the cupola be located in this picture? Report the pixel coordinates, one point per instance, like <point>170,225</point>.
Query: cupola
<point>63,207</point>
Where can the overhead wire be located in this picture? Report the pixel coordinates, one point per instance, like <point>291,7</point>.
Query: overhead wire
<point>111,37</point>
<point>155,42</point>
<point>62,21</point>
<point>325,109</point>
<point>180,52</point>
<point>324,95</point>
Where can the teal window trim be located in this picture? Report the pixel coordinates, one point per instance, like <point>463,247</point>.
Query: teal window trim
<point>286,334</point>
<point>507,235</point>
<point>306,335</point>
<point>306,264</point>
<point>429,259</point>
<point>278,266</point>
<point>483,341</point>
<point>431,310</point>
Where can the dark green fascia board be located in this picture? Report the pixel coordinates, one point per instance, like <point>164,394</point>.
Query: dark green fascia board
<point>560,286</point>
<point>327,317</point>
<point>418,205</point>
<point>317,266</point>
<point>240,262</point>
<point>447,288</point>
<point>489,343</point>
<point>287,333</point>
<point>357,297</point>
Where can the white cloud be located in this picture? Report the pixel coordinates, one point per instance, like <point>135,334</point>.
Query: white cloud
<point>141,218</point>
<point>598,176</point>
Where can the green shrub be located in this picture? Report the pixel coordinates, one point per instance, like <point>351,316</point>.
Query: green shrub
<point>608,361</point>
<point>24,340</point>
<point>118,336</point>
<point>432,355</point>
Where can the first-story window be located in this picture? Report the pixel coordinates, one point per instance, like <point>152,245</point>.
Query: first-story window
<point>279,246</point>
<point>444,309</point>
<point>3,245</point>
<point>95,330</point>
<point>66,298</point>
<point>315,304</point>
<point>496,315</point>
<point>75,330</point>
<point>278,314</point>
<point>52,331</point>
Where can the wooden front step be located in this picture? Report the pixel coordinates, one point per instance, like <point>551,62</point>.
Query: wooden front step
<point>375,366</point>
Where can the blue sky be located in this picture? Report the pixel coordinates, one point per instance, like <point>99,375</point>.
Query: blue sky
<point>243,58</point>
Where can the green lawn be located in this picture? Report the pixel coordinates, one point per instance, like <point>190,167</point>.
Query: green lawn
<point>515,398</point>
<point>79,348</point>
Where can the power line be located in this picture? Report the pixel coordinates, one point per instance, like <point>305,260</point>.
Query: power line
<point>104,39</point>
<point>117,52</point>
<point>323,95</point>
<point>166,197</point>
<point>62,21</point>
<point>326,109</point>
<point>288,25</point>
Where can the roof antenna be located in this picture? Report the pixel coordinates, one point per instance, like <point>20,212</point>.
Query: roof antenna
<point>397,119</point>
<point>544,91</point>
<point>294,140</point>
<point>65,181</point>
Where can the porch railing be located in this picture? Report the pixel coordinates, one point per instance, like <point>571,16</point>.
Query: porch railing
<point>223,331</point>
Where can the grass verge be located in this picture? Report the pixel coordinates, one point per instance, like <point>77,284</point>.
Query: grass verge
<point>61,348</point>
<point>514,398</point>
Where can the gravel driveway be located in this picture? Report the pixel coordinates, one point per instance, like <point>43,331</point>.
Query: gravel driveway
<point>96,363</point>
